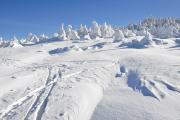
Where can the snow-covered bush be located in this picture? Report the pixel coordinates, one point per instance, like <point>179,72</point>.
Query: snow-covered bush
<point>106,31</point>
<point>95,31</point>
<point>62,33</point>
<point>118,36</point>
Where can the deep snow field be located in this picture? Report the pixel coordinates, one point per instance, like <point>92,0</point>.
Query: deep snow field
<point>90,80</point>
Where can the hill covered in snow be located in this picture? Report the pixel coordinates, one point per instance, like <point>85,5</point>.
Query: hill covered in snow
<point>100,72</point>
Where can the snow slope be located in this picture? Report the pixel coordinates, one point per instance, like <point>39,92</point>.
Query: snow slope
<point>69,80</point>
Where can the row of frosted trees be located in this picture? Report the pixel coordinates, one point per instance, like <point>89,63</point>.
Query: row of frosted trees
<point>83,33</point>
<point>161,27</point>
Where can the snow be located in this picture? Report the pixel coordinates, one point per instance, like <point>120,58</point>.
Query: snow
<point>103,77</point>
<point>118,36</point>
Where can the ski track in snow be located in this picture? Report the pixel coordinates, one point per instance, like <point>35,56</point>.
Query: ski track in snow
<point>38,106</point>
<point>41,89</point>
<point>88,82</point>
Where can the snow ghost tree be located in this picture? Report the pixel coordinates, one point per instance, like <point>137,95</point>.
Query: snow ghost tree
<point>32,38</point>
<point>83,32</point>
<point>62,33</point>
<point>118,36</point>
<point>141,32</point>
<point>106,31</point>
<point>128,33</point>
<point>110,31</point>
<point>43,37</point>
<point>95,30</point>
<point>72,34</point>
<point>15,42</point>
<point>160,27</point>
<point>147,40</point>
<point>165,31</point>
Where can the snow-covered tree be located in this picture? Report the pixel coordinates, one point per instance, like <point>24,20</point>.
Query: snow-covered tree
<point>15,42</point>
<point>118,36</point>
<point>43,37</point>
<point>110,31</point>
<point>147,40</point>
<point>72,34</point>
<point>95,30</point>
<point>106,31</point>
<point>160,27</point>
<point>141,32</point>
<point>128,33</point>
<point>32,38</point>
<point>83,32</point>
<point>165,31</point>
<point>62,33</point>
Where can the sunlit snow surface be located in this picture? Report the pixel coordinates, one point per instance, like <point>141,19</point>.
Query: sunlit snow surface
<point>91,79</point>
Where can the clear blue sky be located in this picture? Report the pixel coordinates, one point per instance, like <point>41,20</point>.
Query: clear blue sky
<point>19,17</point>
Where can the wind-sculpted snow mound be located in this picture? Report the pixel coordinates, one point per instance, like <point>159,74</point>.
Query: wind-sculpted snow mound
<point>97,46</point>
<point>154,88</point>
<point>65,49</point>
<point>77,48</point>
<point>146,87</point>
<point>145,42</point>
<point>141,75</point>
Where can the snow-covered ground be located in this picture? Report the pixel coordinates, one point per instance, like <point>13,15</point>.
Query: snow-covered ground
<point>90,79</point>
